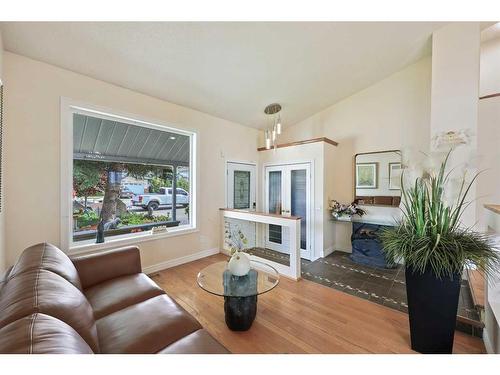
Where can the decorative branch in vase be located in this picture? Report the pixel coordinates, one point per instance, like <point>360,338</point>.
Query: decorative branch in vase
<point>239,264</point>
<point>345,212</point>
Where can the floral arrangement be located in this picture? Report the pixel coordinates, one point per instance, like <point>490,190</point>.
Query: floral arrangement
<point>451,138</point>
<point>431,234</point>
<point>235,238</point>
<point>340,210</point>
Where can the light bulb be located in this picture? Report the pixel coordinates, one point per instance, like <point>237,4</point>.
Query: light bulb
<point>278,127</point>
<point>268,139</point>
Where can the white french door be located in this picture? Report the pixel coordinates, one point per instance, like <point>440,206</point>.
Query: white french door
<point>288,193</point>
<point>240,185</point>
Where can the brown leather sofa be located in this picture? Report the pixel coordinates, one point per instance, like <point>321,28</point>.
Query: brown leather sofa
<point>99,303</point>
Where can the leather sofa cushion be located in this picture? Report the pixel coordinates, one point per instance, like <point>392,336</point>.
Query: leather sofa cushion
<point>198,342</point>
<point>47,257</point>
<point>97,268</point>
<point>116,294</point>
<point>146,327</point>
<point>41,334</point>
<point>42,291</point>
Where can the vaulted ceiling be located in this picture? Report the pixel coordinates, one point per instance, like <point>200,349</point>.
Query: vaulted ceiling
<point>230,70</point>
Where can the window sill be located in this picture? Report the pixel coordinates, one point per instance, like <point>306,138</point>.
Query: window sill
<point>131,240</point>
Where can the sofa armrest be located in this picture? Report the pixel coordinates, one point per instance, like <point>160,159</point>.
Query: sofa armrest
<point>5,276</point>
<point>96,268</point>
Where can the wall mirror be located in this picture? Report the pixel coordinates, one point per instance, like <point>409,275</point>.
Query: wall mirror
<point>377,178</point>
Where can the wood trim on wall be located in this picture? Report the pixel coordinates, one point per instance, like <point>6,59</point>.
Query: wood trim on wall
<point>257,213</point>
<point>489,96</point>
<point>304,142</point>
<point>493,207</point>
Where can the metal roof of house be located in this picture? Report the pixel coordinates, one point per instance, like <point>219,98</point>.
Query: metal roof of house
<point>106,140</point>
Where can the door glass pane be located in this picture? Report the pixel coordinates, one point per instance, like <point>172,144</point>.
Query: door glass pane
<point>299,202</point>
<point>241,198</point>
<point>275,204</point>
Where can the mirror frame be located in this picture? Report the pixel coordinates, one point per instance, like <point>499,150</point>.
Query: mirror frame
<point>354,175</point>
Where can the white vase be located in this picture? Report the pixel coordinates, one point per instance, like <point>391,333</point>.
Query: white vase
<point>239,264</point>
<point>344,218</point>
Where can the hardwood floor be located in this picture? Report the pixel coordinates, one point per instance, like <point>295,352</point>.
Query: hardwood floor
<point>300,317</point>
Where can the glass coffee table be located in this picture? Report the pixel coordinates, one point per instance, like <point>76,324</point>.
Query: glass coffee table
<point>239,292</point>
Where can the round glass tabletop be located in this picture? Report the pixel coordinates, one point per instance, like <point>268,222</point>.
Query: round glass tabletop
<point>217,279</point>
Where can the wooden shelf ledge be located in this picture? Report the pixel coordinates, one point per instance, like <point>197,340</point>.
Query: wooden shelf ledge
<point>256,213</point>
<point>490,96</point>
<point>493,207</point>
<point>477,286</point>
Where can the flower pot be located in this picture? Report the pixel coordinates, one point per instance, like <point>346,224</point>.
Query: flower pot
<point>239,264</point>
<point>432,310</point>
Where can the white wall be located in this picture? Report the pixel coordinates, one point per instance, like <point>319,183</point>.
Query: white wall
<point>455,94</point>
<point>490,71</point>
<point>389,115</point>
<point>397,107</point>
<point>488,187</point>
<point>32,154</point>
<point>2,214</point>
<point>455,77</point>
<point>488,141</point>
<point>330,183</point>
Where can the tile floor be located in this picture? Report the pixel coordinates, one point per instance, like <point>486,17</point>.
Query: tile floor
<point>383,286</point>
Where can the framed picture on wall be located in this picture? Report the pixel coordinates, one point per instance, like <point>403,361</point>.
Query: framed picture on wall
<point>394,176</point>
<point>366,175</point>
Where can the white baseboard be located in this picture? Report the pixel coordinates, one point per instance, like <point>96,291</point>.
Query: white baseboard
<point>327,251</point>
<point>178,261</point>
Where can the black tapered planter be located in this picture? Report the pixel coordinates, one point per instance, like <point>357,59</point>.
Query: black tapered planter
<point>432,309</point>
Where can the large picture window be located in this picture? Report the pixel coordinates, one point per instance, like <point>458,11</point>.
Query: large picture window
<point>130,179</point>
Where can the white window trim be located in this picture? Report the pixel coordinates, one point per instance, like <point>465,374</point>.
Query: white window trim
<point>68,108</point>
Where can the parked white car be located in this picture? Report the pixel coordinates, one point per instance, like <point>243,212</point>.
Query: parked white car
<point>163,198</point>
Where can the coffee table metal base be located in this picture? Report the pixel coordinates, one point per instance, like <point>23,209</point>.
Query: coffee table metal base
<point>240,312</point>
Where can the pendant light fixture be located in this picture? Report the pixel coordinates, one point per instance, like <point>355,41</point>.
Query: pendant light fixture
<point>272,134</point>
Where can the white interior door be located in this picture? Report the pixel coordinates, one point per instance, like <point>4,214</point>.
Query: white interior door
<point>275,238</point>
<point>240,188</point>
<point>299,203</point>
<point>288,192</point>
